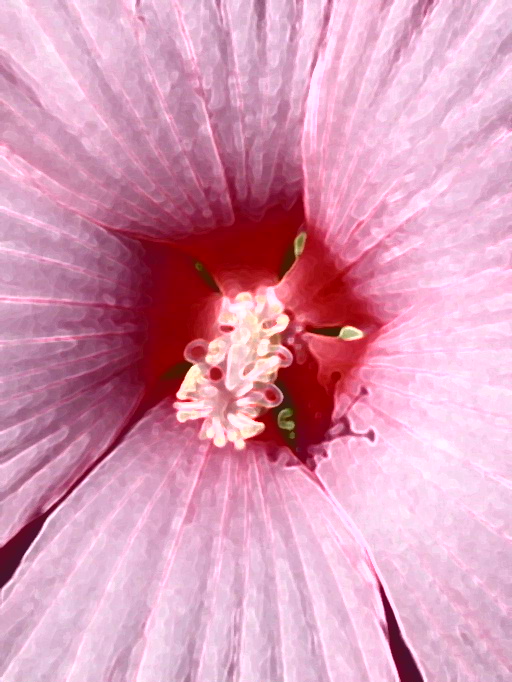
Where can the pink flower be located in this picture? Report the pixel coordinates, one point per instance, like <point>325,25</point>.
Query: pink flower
<point>144,140</point>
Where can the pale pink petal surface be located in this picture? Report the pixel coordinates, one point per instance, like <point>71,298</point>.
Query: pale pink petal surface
<point>70,305</point>
<point>413,150</point>
<point>171,561</point>
<point>146,150</point>
<point>175,561</point>
<point>169,115</point>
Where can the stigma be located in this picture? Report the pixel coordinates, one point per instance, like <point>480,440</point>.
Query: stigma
<point>231,381</point>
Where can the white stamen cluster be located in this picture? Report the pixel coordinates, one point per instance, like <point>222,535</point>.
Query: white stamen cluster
<point>231,380</point>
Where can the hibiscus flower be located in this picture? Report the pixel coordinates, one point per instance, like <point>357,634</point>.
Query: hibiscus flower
<point>255,340</point>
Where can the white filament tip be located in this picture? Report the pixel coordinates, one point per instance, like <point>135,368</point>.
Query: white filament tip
<point>232,378</point>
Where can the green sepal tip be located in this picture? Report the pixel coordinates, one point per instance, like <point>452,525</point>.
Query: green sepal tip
<point>299,243</point>
<point>206,276</point>
<point>350,334</point>
<point>284,420</point>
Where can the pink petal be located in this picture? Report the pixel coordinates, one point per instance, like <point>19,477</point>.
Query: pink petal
<point>70,298</point>
<point>408,134</point>
<point>113,114</point>
<point>432,495</point>
<point>173,561</point>
<point>159,118</point>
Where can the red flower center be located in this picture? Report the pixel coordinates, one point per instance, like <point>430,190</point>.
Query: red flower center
<point>317,292</point>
